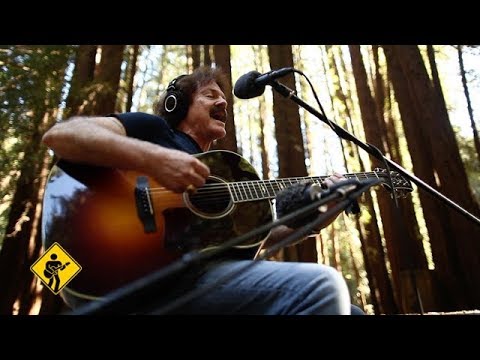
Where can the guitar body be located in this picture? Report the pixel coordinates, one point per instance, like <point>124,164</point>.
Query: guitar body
<point>93,213</point>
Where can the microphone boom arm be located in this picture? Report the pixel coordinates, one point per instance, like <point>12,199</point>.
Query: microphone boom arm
<point>342,133</point>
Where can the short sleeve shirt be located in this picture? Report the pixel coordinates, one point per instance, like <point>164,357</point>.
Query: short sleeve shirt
<point>156,130</point>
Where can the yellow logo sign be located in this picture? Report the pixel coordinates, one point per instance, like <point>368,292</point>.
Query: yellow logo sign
<point>56,268</point>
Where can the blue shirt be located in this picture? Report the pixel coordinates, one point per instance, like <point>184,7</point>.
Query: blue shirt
<point>155,129</point>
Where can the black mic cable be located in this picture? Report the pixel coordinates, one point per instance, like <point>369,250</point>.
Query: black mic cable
<point>342,190</point>
<point>135,292</point>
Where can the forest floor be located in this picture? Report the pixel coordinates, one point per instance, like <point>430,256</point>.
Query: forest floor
<point>463,312</point>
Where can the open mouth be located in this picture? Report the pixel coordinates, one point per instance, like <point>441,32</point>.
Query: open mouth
<point>220,115</point>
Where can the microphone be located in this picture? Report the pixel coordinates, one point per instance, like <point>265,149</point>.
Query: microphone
<point>296,197</point>
<point>252,84</point>
<point>300,195</point>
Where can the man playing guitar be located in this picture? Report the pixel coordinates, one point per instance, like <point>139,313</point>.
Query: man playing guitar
<point>189,117</point>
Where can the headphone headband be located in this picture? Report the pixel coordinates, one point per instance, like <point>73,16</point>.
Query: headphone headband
<point>171,85</point>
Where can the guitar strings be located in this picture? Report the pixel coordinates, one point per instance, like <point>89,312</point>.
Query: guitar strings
<point>252,189</point>
<point>257,184</point>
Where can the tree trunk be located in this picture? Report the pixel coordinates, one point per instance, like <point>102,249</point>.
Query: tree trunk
<point>222,60</point>
<point>405,252</point>
<point>262,115</point>
<point>358,279</point>
<point>455,247</point>
<point>131,77</point>
<point>19,250</point>
<point>335,249</point>
<point>196,61</point>
<point>291,153</point>
<point>207,60</point>
<point>380,285</point>
<point>22,242</point>
<point>415,299</point>
<point>82,77</point>
<point>104,95</point>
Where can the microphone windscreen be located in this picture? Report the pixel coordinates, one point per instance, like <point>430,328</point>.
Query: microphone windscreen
<point>294,198</point>
<point>246,88</point>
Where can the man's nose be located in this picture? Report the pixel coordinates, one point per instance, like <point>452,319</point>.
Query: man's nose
<point>221,102</point>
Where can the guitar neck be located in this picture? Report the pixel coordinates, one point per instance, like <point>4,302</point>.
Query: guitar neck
<point>243,191</point>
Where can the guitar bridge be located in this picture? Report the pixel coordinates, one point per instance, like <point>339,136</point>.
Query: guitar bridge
<point>144,205</point>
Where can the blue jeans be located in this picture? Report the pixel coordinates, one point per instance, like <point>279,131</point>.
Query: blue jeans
<point>266,287</point>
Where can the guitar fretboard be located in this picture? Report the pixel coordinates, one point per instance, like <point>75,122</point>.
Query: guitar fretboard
<point>243,191</point>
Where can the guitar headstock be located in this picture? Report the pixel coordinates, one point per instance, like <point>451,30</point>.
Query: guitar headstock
<point>401,186</point>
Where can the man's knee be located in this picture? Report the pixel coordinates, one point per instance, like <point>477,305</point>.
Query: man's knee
<point>335,288</point>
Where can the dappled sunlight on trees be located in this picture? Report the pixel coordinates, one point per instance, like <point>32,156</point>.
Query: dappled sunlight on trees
<point>418,104</point>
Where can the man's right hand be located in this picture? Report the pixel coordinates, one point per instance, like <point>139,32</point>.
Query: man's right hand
<point>177,170</point>
<point>103,141</point>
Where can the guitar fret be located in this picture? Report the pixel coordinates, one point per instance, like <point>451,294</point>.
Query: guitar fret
<point>271,191</point>
<point>240,196</point>
<point>244,193</point>
<point>311,179</point>
<point>280,185</point>
<point>231,190</point>
<point>264,189</point>
<point>319,181</point>
<point>275,187</point>
<point>246,189</point>
<point>254,184</point>
<point>271,188</point>
<point>248,186</point>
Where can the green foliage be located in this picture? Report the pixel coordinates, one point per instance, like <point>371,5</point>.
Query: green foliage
<point>31,82</point>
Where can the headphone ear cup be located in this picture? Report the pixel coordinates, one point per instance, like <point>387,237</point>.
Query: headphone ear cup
<point>175,105</point>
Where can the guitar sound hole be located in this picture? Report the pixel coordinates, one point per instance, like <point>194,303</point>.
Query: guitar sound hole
<point>212,199</point>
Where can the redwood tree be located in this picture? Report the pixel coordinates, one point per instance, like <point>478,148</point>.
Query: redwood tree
<point>291,153</point>
<point>436,160</point>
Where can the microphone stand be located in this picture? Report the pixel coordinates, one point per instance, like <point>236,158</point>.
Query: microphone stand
<point>139,292</point>
<point>346,191</point>
<point>290,94</point>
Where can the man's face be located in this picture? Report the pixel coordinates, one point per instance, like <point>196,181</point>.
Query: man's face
<point>207,114</point>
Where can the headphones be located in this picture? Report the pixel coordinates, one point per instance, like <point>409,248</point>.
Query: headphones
<point>175,103</point>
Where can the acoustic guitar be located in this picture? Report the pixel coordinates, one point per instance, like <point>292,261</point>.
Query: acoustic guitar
<point>121,225</point>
